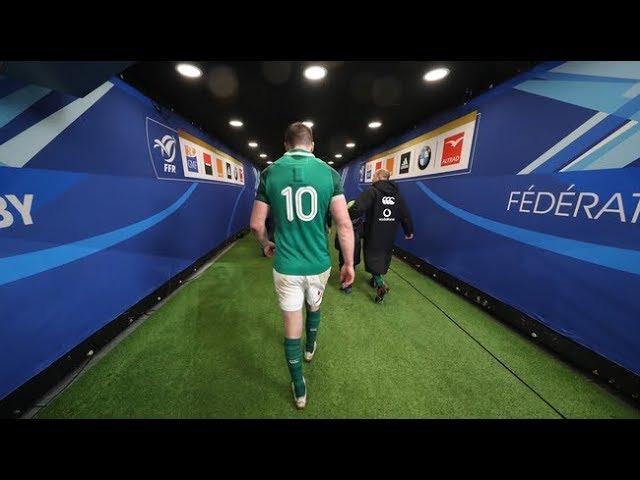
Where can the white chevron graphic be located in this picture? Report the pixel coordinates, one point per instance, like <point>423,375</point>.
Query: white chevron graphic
<point>17,151</point>
<point>578,132</point>
<point>17,102</point>
<point>575,165</point>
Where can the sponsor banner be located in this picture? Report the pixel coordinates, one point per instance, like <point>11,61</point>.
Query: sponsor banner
<point>445,150</point>
<point>178,155</point>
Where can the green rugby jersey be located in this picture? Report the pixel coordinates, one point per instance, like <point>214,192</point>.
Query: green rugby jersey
<point>299,187</point>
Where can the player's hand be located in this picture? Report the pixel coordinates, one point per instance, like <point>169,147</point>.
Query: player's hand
<point>269,249</point>
<point>347,275</point>
<point>408,237</point>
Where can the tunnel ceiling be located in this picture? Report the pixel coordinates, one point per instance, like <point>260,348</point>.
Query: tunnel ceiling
<point>267,96</point>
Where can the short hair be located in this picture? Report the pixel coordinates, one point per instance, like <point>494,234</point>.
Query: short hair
<point>298,134</point>
<point>383,174</point>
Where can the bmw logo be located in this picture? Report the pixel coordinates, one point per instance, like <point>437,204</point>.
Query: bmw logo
<point>424,158</point>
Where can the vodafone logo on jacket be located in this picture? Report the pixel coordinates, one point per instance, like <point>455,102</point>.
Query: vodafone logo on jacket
<point>452,151</point>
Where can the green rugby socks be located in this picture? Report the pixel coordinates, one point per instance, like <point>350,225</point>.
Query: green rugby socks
<point>293,354</point>
<point>378,280</point>
<point>313,324</point>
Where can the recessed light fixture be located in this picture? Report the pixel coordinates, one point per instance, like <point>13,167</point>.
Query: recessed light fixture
<point>338,155</point>
<point>263,155</point>
<point>188,70</point>
<point>375,124</point>
<point>331,163</point>
<point>236,123</point>
<point>436,74</point>
<point>308,123</point>
<point>315,72</point>
<point>253,144</point>
<point>269,162</point>
<point>350,145</point>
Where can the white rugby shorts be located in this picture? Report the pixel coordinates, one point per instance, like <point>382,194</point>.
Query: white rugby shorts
<point>292,290</point>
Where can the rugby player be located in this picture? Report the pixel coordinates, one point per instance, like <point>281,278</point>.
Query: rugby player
<point>299,190</point>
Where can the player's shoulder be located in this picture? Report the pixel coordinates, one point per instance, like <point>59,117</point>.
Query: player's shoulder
<point>324,165</point>
<point>265,173</point>
<point>334,173</point>
<point>319,161</point>
<point>276,165</point>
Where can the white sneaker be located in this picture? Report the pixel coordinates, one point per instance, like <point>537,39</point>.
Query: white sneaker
<point>301,402</point>
<point>308,356</point>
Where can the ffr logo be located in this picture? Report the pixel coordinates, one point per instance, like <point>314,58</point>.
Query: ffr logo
<point>167,148</point>
<point>7,217</point>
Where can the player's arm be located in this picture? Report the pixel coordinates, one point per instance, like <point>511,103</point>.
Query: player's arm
<point>344,229</point>
<point>258,226</point>
<point>259,216</point>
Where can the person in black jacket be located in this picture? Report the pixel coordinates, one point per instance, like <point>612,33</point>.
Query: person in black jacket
<point>384,209</point>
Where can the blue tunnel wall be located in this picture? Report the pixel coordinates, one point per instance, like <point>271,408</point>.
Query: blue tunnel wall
<point>117,196</point>
<point>531,193</point>
<point>537,203</point>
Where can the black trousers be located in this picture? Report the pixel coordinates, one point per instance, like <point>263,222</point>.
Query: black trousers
<point>356,249</point>
<point>377,261</point>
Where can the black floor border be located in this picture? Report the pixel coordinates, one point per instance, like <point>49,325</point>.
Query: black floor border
<point>613,376</point>
<point>24,397</point>
<point>480,344</point>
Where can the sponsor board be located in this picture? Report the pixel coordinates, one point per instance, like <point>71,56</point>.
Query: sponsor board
<point>178,155</point>
<point>445,150</point>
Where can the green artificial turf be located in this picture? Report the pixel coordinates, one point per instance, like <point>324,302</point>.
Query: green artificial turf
<point>214,350</point>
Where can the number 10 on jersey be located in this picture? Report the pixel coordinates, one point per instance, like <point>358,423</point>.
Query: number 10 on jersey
<point>288,195</point>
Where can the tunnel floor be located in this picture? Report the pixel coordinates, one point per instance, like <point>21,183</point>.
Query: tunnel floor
<point>214,350</point>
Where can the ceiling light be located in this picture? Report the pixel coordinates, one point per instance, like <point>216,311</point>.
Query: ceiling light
<point>350,145</point>
<point>263,155</point>
<point>315,72</point>
<point>436,74</point>
<point>375,124</point>
<point>330,163</point>
<point>236,123</point>
<point>308,123</point>
<point>188,70</point>
<point>253,144</point>
<point>338,155</point>
<point>269,162</point>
